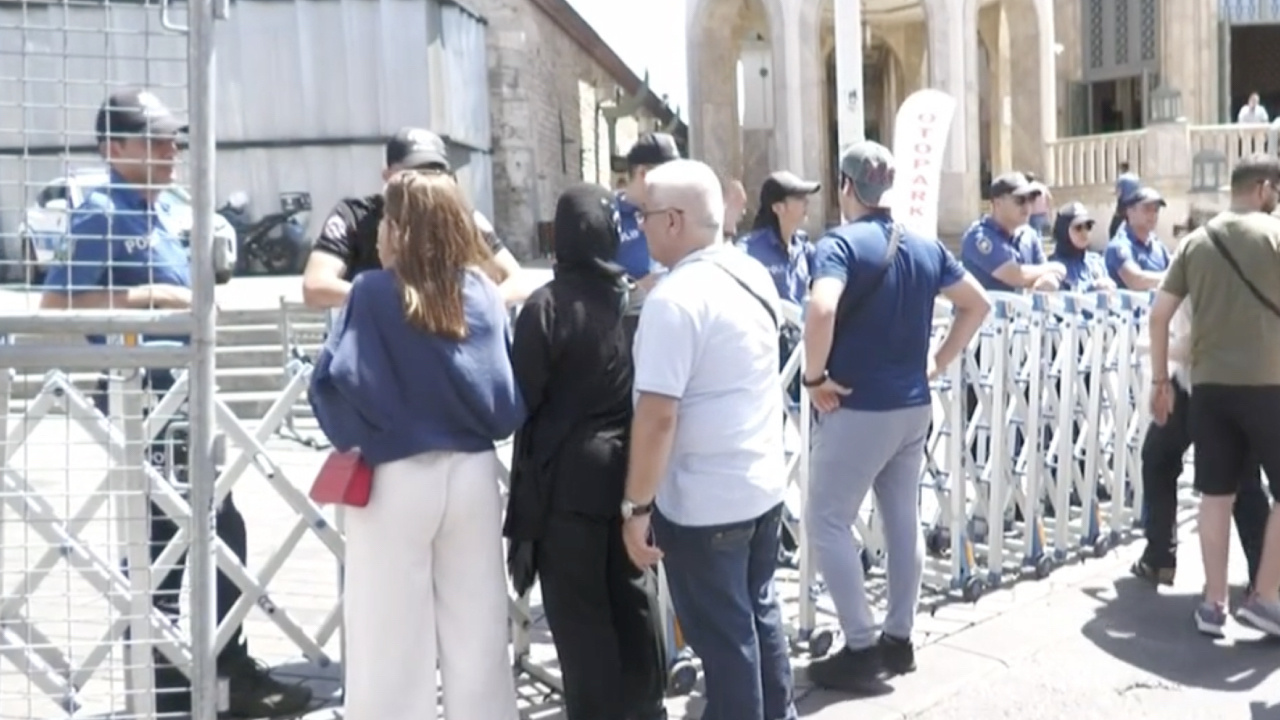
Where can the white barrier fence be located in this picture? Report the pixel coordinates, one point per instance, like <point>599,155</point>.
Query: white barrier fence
<point>1033,458</point>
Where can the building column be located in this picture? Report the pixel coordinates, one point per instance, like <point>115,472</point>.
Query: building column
<point>952,27</point>
<point>1001,73</point>
<point>850,99</point>
<point>1188,52</point>
<point>800,88</point>
<point>1030,27</point>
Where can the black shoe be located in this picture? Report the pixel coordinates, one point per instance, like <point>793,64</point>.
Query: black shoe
<point>897,655</point>
<point>1152,574</point>
<point>856,672</point>
<point>255,694</point>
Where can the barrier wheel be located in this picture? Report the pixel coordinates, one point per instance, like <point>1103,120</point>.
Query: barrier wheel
<point>974,587</point>
<point>820,643</point>
<point>1044,567</point>
<point>1101,547</point>
<point>682,678</point>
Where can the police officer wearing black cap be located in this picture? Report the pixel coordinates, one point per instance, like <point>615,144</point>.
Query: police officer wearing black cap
<point>1002,250</point>
<point>650,151</point>
<point>126,251</point>
<point>348,242</point>
<point>1137,259</point>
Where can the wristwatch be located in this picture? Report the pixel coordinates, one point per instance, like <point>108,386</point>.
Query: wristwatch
<point>631,509</point>
<point>814,382</point>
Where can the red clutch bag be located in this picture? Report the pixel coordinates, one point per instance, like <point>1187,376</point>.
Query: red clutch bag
<point>344,479</point>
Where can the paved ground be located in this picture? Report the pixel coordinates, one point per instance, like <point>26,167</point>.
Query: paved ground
<point>1086,642</point>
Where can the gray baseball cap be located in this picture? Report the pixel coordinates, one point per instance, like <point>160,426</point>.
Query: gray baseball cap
<point>870,167</point>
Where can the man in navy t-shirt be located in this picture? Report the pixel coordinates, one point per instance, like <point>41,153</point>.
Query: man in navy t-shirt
<point>1001,250</point>
<point>867,367</point>
<point>125,250</point>
<point>1136,259</point>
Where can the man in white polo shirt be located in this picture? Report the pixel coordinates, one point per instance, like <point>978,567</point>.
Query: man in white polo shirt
<point>706,445</point>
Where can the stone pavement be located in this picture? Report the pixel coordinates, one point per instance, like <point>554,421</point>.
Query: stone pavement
<point>1086,642</point>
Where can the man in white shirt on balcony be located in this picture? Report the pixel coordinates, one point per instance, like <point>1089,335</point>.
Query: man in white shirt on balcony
<point>1253,113</point>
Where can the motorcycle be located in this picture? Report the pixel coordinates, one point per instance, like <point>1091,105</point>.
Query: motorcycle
<point>276,242</point>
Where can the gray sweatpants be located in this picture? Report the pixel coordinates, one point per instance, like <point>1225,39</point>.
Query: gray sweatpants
<point>854,452</point>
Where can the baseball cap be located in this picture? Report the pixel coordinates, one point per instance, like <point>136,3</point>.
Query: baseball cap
<point>1126,185</point>
<point>417,148</point>
<point>133,112</point>
<point>1014,183</point>
<point>782,185</point>
<point>653,149</point>
<point>1073,214</point>
<point>1142,196</point>
<point>870,167</point>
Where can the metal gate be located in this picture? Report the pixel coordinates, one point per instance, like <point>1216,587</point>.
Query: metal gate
<point>90,444</point>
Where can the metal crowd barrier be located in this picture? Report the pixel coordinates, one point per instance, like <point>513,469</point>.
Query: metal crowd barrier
<point>1032,459</point>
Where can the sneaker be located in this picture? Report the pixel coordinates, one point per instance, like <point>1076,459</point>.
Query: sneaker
<point>1210,619</point>
<point>254,693</point>
<point>1152,574</point>
<point>856,672</point>
<point>897,655</point>
<point>1262,615</point>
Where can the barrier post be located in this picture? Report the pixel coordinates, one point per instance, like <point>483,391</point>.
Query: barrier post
<point>203,557</point>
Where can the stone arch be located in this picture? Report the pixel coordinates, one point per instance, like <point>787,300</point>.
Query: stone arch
<point>717,31</point>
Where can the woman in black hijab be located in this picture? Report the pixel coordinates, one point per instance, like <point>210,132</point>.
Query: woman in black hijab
<point>572,361</point>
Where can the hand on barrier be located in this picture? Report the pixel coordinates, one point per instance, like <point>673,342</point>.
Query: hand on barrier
<point>522,565</point>
<point>1048,283</point>
<point>826,397</point>
<point>638,537</point>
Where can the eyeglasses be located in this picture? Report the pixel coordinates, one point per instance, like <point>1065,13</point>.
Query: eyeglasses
<point>646,214</point>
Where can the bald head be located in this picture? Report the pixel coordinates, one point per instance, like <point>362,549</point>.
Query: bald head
<point>684,209</point>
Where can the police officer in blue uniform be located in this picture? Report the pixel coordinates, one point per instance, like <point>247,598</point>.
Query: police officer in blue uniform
<point>1001,250</point>
<point>1136,259</point>
<point>125,250</point>
<point>1086,270</point>
<point>776,239</point>
<point>650,151</point>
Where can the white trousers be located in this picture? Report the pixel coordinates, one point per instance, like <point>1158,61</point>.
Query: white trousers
<point>424,586</point>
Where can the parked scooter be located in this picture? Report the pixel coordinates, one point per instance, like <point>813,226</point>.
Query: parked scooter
<point>276,242</point>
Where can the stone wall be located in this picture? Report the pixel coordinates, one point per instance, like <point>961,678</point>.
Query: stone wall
<point>544,93</point>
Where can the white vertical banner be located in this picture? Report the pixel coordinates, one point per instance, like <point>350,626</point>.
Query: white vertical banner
<point>919,140</point>
<point>851,123</point>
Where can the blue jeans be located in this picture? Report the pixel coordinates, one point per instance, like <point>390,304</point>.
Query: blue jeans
<point>721,583</point>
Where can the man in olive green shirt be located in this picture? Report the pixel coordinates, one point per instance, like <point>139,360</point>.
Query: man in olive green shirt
<point>1235,375</point>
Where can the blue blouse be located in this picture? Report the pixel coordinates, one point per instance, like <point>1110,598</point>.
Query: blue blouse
<point>1084,272</point>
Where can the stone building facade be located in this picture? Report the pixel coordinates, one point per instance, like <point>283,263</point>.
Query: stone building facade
<point>555,91</point>
<point>1025,72</point>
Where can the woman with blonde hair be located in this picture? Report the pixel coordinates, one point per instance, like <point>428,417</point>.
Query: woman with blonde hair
<point>417,378</point>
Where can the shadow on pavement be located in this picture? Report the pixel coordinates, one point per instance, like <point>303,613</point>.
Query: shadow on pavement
<point>1154,632</point>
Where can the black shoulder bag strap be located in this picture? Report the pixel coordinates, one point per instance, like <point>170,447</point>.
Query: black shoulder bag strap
<point>849,303</point>
<point>1226,254</point>
<point>768,308</point>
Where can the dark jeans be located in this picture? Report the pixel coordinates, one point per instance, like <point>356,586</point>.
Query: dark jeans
<point>605,621</point>
<point>230,528</point>
<point>1162,465</point>
<point>721,582</point>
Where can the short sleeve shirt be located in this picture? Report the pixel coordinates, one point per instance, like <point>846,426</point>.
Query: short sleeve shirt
<point>882,352</point>
<point>1235,339</point>
<point>706,342</point>
<point>118,239</point>
<point>985,247</point>
<point>633,250</point>
<point>1150,256</point>
<point>1084,272</point>
<point>788,265</point>
<point>350,233</point>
